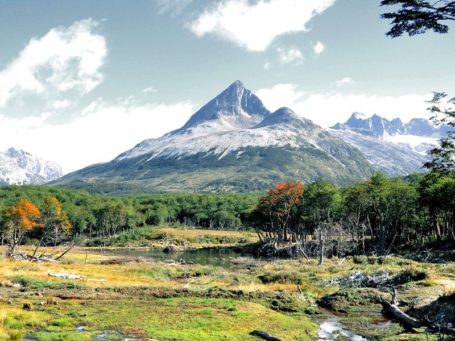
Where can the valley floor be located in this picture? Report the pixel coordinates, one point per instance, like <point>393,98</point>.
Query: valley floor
<point>115,295</point>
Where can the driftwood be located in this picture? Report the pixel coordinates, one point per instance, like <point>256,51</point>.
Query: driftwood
<point>65,252</point>
<point>393,311</point>
<point>50,258</point>
<point>40,259</point>
<point>409,322</point>
<point>264,335</point>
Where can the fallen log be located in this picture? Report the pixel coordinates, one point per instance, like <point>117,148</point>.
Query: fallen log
<point>264,335</point>
<point>40,259</point>
<point>392,310</point>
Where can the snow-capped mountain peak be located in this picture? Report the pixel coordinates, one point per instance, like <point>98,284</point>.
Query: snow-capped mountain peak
<point>235,107</point>
<point>285,117</point>
<point>233,120</point>
<point>381,127</point>
<point>18,167</point>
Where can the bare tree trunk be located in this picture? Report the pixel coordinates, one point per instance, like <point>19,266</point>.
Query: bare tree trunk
<point>321,247</point>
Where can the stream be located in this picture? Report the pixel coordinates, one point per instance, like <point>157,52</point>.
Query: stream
<point>332,328</point>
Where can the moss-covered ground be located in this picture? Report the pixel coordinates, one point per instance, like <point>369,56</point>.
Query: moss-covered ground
<point>151,299</point>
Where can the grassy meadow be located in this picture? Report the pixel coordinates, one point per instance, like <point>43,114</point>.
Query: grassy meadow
<point>144,298</point>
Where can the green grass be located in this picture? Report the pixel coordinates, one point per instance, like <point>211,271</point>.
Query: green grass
<point>175,319</point>
<point>189,237</point>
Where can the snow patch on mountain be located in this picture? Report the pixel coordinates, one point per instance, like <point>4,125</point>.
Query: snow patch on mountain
<point>233,120</point>
<point>391,145</point>
<point>282,128</point>
<point>18,167</point>
<point>393,158</point>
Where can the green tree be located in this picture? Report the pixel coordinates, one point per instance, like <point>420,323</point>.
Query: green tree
<point>443,157</point>
<point>418,16</point>
<point>320,210</point>
<point>437,195</point>
<point>110,218</point>
<point>55,220</point>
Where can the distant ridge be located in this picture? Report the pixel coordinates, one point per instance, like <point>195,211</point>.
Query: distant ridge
<point>18,167</point>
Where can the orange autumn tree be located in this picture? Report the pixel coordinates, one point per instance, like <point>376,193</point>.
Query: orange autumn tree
<point>55,220</point>
<point>273,217</point>
<point>20,219</point>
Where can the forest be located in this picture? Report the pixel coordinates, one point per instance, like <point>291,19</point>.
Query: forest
<point>378,216</point>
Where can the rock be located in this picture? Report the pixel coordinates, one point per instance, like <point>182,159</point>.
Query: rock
<point>64,275</point>
<point>8,284</point>
<point>27,306</point>
<point>264,335</point>
<point>377,280</point>
<point>171,248</point>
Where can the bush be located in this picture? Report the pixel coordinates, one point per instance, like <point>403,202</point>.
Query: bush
<point>281,277</point>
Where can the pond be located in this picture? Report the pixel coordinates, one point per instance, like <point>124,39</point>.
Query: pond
<point>213,256</point>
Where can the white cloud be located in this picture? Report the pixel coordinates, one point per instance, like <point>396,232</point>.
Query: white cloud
<point>280,95</point>
<point>63,59</point>
<point>255,25</point>
<point>290,56</point>
<point>267,65</point>
<point>327,109</point>
<point>318,48</point>
<point>344,81</point>
<point>100,134</point>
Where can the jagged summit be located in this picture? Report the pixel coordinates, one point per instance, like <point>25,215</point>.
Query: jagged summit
<point>233,120</point>
<point>378,126</point>
<point>235,107</point>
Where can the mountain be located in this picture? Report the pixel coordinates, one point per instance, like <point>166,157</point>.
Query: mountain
<point>18,167</point>
<point>233,143</point>
<point>380,127</point>
<point>391,146</point>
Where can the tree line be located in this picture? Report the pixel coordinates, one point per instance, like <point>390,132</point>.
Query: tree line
<point>51,215</point>
<point>378,215</point>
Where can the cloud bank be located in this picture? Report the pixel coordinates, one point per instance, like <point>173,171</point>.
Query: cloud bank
<point>63,60</point>
<point>329,108</point>
<point>101,133</point>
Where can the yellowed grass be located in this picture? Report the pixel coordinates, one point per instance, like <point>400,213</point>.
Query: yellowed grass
<point>195,233</point>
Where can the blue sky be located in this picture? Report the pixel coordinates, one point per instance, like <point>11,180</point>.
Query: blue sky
<point>82,81</point>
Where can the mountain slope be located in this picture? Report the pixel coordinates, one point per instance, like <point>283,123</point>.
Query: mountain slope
<point>232,144</point>
<point>18,167</point>
<point>393,147</point>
